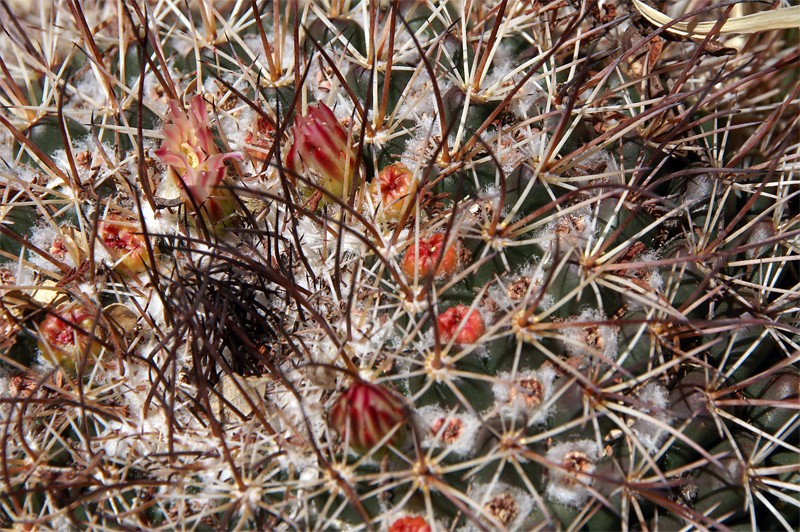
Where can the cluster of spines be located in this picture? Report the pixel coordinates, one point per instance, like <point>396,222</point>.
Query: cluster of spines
<point>545,289</point>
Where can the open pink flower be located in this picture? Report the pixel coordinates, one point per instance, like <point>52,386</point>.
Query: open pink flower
<point>322,150</point>
<point>189,151</point>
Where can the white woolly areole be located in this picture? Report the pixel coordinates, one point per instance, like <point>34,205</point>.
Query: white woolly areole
<point>651,275</point>
<point>654,400</point>
<point>47,238</point>
<point>573,463</point>
<point>25,174</point>
<point>419,97</point>
<point>524,394</point>
<point>421,148</point>
<point>521,289</point>
<point>592,341</point>
<point>570,231</point>
<point>529,100</point>
<point>506,504</point>
<point>294,414</point>
<point>437,424</point>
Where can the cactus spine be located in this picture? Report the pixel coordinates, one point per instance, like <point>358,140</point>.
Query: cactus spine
<point>406,265</point>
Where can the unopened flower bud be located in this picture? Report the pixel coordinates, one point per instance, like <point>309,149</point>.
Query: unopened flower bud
<point>461,324</point>
<point>64,337</point>
<point>393,190</point>
<point>410,523</point>
<point>259,140</point>
<point>422,258</point>
<point>125,243</point>
<point>322,151</point>
<point>365,413</point>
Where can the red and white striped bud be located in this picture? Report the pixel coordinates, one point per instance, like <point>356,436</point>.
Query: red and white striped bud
<point>365,413</point>
<point>322,151</point>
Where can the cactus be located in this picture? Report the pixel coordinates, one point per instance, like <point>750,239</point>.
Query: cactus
<point>406,265</point>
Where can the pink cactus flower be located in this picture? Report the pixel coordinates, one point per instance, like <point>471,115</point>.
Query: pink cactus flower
<point>365,413</point>
<point>189,151</point>
<point>322,151</point>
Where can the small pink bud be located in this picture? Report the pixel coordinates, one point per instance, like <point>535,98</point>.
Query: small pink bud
<point>322,151</point>
<point>410,523</point>
<point>190,153</point>
<point>461,316</point>
<point>58,249</point>
<point>393,188</point>
<point>422,258</point>
<point>63,338</point>
<point>124,243</point>
<point>449,430</point>
<point>259,140</point>
<point>365,413</point>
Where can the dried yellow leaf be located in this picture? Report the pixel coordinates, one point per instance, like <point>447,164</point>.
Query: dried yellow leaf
<point>784,18</point>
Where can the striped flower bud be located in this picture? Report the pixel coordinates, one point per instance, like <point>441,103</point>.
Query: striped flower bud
<point>322,151</point>
<point>365,413</point>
